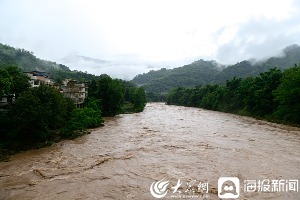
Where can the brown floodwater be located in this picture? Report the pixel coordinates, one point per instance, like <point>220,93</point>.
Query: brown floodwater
<point>190,145</point>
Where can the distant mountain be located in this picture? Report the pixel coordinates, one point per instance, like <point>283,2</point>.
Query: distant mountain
<point>290,56</point>
<point>210,72</point>
<point>27,61</point>
<point>198,72</point>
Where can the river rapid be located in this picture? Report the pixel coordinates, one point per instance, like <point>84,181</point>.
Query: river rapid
<point>177,144</point>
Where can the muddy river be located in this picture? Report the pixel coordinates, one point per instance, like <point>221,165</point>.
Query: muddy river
<point>188,149</point>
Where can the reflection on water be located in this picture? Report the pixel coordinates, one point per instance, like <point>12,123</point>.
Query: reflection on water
<point>123,158</point>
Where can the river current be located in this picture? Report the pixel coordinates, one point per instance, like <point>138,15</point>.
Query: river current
<point>191,146</point>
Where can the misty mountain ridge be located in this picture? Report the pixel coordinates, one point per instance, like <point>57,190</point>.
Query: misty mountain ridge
<point>27,61</point>
<point>124,70</point>
<point>199,72</point>
<point>211,72</point>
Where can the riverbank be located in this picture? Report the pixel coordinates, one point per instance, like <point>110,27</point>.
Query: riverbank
<point>77,126</point>
<point>5,153</point>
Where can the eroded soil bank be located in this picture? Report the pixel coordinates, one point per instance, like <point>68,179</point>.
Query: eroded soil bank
<point>122,159</point>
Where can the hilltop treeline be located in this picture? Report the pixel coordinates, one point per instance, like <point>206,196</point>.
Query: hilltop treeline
<point>272,95</point>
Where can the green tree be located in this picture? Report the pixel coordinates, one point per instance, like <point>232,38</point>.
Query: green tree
<point>288,96</point>
<point>110,92</point>
<point>20,81</point>
<point>5,82</point>
<point>115,98</point>
<point>140,100</point>
<point>36,112</point>
<point>13,81</point>
<point>83,118</point>
<point>260,99</point>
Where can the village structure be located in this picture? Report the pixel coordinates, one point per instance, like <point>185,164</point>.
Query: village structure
<point>70,88</point>
<point>74,90</point>
<point>38,78</point>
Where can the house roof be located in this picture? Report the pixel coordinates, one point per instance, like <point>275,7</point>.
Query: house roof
<point>38,73</point>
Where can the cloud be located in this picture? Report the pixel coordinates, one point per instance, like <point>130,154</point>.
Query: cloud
<point>125,70</point>
<point>259,39</point>
<point>145,34</point>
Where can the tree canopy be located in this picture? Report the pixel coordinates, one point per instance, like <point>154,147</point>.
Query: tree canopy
<point>12,81</point>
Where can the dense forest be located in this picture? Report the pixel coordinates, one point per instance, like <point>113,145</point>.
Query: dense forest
<point>210,72</point>
<point>273,95</point>
<point>42,115</point>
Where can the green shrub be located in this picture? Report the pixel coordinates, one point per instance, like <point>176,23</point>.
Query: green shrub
<point>32,119</point>
<point>82,119</point>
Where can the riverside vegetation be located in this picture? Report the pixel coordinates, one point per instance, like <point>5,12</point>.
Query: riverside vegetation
<point>42,115</point>
<point>273,95</point>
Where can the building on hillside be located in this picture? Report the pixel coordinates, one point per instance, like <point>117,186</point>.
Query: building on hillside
<point>7,99</point>
<point>76,91</point>
<point>38,78</point>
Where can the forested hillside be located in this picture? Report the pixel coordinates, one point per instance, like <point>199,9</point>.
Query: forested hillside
<point>27,61</point>
<point>198,72</point>
<point>209,72</point>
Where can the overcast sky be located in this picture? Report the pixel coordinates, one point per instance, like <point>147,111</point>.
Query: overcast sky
<point>139,35</point>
